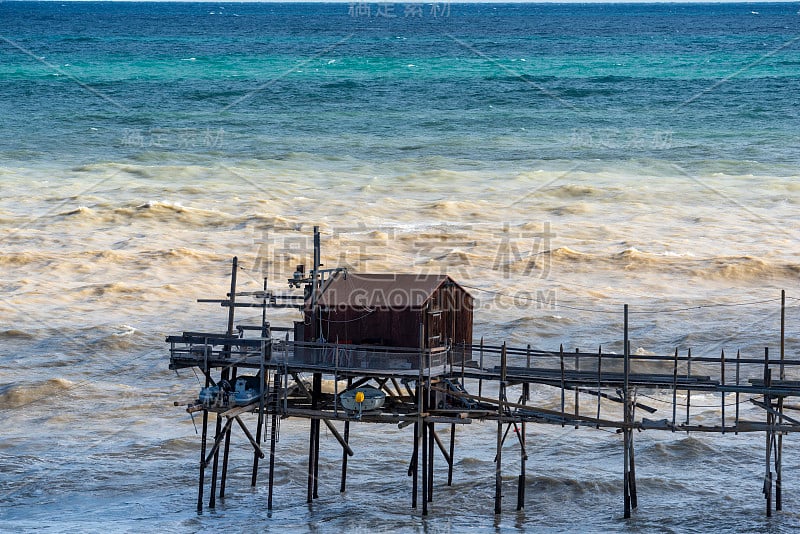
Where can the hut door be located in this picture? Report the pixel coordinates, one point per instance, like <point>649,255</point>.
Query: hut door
<point>433,326</point>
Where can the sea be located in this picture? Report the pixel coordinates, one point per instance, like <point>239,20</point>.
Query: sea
<point>560,161</point>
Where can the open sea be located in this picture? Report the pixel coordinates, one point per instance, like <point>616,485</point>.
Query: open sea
<point>558,160</point>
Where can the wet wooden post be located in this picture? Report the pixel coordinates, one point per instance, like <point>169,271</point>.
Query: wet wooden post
<point>563,388</point>
<point>212,499</point>
<point>688,391</point>
<point>625,432</point>
<point>225,375</point>
<point>424,447</point>
<point>226,448</point>
<point>414,467</point>
<point>526,387</point>
<point>480,380</point>
<point>779,451</point>
<point>422,425</point>
<point>675,390</point>
<point>316,394</point>
<point>343,485</point>
<point>262,379</point>
<point>431,443</point>
<point>631,448</point>
<point>577,389</point>
<point>452,452</point>
<point>738,365</point>
<point>722,382</point>
<point>273,408</point>
<point>523,454</point>
<point>498,474</point>
<point>599,381</point>
<point>203,452</point>
<point>768,433</point>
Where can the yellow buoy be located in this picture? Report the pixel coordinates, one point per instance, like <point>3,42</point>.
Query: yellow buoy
<point>359,397</point>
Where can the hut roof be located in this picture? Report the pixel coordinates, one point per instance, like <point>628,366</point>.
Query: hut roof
<point>396,291</point>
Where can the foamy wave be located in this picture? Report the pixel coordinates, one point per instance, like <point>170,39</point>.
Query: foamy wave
<point>15,334</point>
<point>16,396</point>
<point>747,267</point>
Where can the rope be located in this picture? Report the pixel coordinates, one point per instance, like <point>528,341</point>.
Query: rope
<point>702,405</point>
<point>601,310</point>
<point>350,320</point>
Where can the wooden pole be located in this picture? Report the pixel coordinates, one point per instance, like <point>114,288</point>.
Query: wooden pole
<point>738,365</point>
<point>522,453</point>
<point>722,381</point>
<point>414,467</point>
<point>779,450</point>
<point>452,453</point>
<point>563,388</point>
<point>273,408</point>
<point>675,390</point>
<point>767,433</point>
<point>431,436</point>
<point>212,499</point>
<point>577,389</point>
<point>226,449</point>
<point>480,380</point>
<point>225,375</point>
<point>315,405</point>
<point>424,447</point>
<point>203,454</point>
<point>625,430</point>
<point>688,391</point>
<point>599,383</point>
<point>342,487</point>
<point>526,387</point>
<point>498,475</point>
<point>262,380</point>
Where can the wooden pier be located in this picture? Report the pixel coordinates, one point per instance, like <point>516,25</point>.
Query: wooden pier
<point>443,383</point>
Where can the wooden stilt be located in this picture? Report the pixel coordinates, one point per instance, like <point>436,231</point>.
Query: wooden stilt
<point>577,389</point>
<point>452,453</point>
<point>480,380</point>
<point>675,390</point>
<point>424,447</point>
<point>310,485</point>
<point>632,472</point>
<point>626,434</point>
<point>563,387</point>
<point>202,459</point>
<point>768,434</point>
<point>343,485</point>
<point>498,474</point>
<point>722,381</point>
<point>431,435</point>
<point>225,449</point>
<point>414,467</point>
<point>273,408</point>
<point>738,364</point>
<point>599,382</point>
<point>523,457</point>
<point>212,498</point>
<point>315,405</point>
<point>260,423</point>
<point>779,449</point>
<point>688,391</point>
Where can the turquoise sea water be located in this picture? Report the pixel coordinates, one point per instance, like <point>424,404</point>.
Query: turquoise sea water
<point>571,157</point>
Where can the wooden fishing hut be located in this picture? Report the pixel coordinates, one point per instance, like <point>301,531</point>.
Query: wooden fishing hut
<point>379,311</point>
